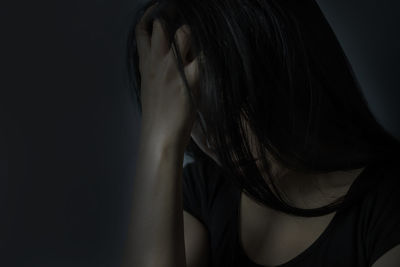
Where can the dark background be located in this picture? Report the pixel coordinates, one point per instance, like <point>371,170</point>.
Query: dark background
<point>69,129</point>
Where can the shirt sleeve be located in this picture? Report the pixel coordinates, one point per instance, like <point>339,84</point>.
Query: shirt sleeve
<point>384,219</point>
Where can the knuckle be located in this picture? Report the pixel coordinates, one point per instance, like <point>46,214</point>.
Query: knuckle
<point>184,28</point>
<point>157,25</point>
<point>183,31</point>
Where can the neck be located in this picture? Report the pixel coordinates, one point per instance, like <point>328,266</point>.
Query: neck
<point>310,190</point>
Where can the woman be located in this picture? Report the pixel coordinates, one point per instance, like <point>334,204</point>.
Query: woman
<point>291,168</point>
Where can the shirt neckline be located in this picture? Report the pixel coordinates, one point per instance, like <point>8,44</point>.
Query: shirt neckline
<point>349,196</point>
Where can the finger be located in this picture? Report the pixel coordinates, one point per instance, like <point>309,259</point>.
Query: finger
<point>182,39</point>
<point>159,40</point>
<point>142,36</point>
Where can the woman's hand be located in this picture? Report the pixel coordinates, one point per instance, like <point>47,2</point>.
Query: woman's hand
<point>166,107</point>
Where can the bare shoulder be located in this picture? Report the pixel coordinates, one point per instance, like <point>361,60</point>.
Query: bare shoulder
<point>197,244</point>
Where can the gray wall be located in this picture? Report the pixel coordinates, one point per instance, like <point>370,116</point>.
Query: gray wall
<point>369,33</point>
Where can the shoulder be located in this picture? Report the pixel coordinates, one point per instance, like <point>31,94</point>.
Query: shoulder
<point>204,186</point>
<point>204,175</point>
<point>384,197</point>
<point>197,177</point>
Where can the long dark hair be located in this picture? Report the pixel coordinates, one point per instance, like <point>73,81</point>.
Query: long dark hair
<point>278,64</point>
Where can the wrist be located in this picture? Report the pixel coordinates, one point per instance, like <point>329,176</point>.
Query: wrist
<point>162,141</point>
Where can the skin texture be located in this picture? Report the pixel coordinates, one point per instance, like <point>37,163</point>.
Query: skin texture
<point>156,228</point>
<point>165,102</point>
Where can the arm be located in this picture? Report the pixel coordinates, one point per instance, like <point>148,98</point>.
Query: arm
<point>161,231</point>
<point>197,244</point>
<point>156,229</point>
<point>156,236</point>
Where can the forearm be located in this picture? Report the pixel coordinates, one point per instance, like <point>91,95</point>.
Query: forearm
<point>156,233</point>
<point>156,236</point>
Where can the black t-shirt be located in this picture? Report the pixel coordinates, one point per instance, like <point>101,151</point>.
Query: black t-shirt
<point>357,235</point>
